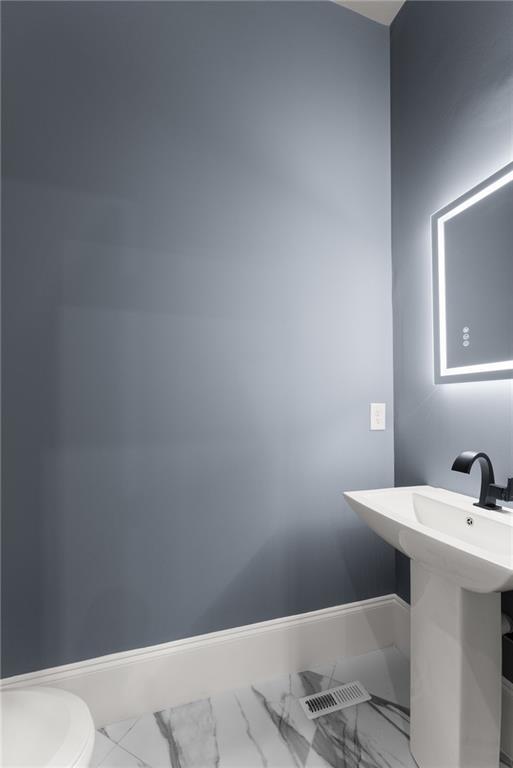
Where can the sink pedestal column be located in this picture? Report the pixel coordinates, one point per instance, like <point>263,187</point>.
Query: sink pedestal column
<point>455,673</point>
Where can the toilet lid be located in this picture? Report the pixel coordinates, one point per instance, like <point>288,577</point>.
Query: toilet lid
<point>43,727</point>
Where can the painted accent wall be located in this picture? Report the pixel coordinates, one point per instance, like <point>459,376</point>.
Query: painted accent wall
<point>196,316</point>
<point>452,126</point>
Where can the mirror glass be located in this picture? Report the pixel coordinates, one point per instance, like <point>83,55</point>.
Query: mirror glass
<point>473,283</point>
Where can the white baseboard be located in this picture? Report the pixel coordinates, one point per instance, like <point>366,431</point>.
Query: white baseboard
<point>402,641</point>
<point>402,625</point>
<point>128,684</point>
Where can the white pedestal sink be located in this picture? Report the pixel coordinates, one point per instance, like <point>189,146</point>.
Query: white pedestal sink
<point>461,559</point>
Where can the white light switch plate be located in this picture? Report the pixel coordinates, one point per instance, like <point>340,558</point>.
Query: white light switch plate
<point>378,416</point>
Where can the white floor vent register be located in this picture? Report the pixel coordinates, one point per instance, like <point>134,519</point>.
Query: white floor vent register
<point>334,699</point>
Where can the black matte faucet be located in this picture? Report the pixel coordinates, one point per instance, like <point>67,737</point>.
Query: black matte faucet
<point>489,491</point>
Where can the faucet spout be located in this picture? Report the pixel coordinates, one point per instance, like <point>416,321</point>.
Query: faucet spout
<point>464,463</point>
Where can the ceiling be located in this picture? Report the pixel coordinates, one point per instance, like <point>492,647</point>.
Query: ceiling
<point>383,11</point>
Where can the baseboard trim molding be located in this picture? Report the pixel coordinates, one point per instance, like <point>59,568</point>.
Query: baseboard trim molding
<point>402,641</point>
<point>128,684</point>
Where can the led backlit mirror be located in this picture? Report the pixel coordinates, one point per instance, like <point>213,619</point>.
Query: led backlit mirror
<point>473,283</point>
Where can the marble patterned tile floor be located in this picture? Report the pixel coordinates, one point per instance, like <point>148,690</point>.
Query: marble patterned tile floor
<point>263,726</point>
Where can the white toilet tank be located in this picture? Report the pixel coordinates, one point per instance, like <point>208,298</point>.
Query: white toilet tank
<point>44,727</point>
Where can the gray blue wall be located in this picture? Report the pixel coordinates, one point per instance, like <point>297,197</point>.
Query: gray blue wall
<point>452,126</point>
<point>196,315</point>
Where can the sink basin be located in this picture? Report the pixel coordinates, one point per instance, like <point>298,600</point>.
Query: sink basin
<point>444,531</point>
<point>461,558</point>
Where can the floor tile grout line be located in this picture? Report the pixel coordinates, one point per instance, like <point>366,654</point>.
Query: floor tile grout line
<point>126,734</point>
<point>127,751</point>
<point>118,744</point>
<point>97,765</point>
<point>103,731</point>
<point>138,757</point>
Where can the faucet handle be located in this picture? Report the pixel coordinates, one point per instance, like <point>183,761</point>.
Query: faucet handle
<point>503,492</point>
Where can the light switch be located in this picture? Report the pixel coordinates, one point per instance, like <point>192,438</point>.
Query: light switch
<point>378,418</point>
